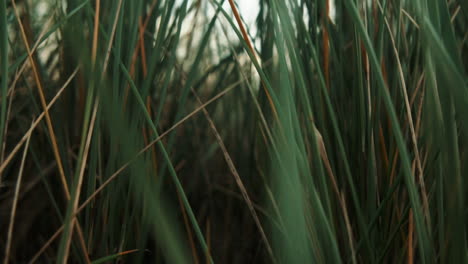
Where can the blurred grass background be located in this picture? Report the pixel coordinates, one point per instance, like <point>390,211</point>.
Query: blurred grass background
<point>172,131</point>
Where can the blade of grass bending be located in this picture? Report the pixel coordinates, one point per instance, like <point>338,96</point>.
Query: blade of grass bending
<point>36,123</point>
<point>237,178</point>
<point>126,165</point>
<point>166,157</point>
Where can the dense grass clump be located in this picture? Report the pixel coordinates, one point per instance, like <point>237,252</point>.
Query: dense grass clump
<point>172,131</point>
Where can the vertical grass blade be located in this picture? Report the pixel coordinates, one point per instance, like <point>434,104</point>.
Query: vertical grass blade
<point>3,74</point>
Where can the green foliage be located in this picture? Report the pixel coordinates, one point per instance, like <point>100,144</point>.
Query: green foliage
<point>175,135</point>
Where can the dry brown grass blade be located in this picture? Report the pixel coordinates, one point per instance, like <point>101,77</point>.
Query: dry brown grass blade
<point>241,26</point>
<point>141,41</point>
<point>410,238</point>
<point>411,19</point>
<point>111,39</point>
<point>410,122</point>
<point>227,191</point>
<point>349,228</point>
<point>383,147</point>
<point>139,47</point>
<point>150,132</point>
<point>339,194</point>
<point>96,31</point>
<point>46,245</point>
<point>249,43</point>
<point>34,125</point>
<point>80,180</point>
<point>237,177</point>
<point>394,164</point>
<point>29,132</point>
<point>10,91</point>
<point>418,87</point>
<point>128,252</point>
<point>419,115</point>
<point>455,13</point>
<point>146,132</point>
<point>43,103</point>
<point>189,230</point>
<point>15,203</point>
<point>326,162</point>
<point>49,124</point>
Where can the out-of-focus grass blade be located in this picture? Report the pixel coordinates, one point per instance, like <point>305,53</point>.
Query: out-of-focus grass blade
<point>3,71</point>
<point>172,171</point>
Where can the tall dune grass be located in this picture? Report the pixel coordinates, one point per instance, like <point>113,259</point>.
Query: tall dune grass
<point>164,131</point>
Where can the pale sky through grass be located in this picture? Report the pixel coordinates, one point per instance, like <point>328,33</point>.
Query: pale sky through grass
<point>249,10</point>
